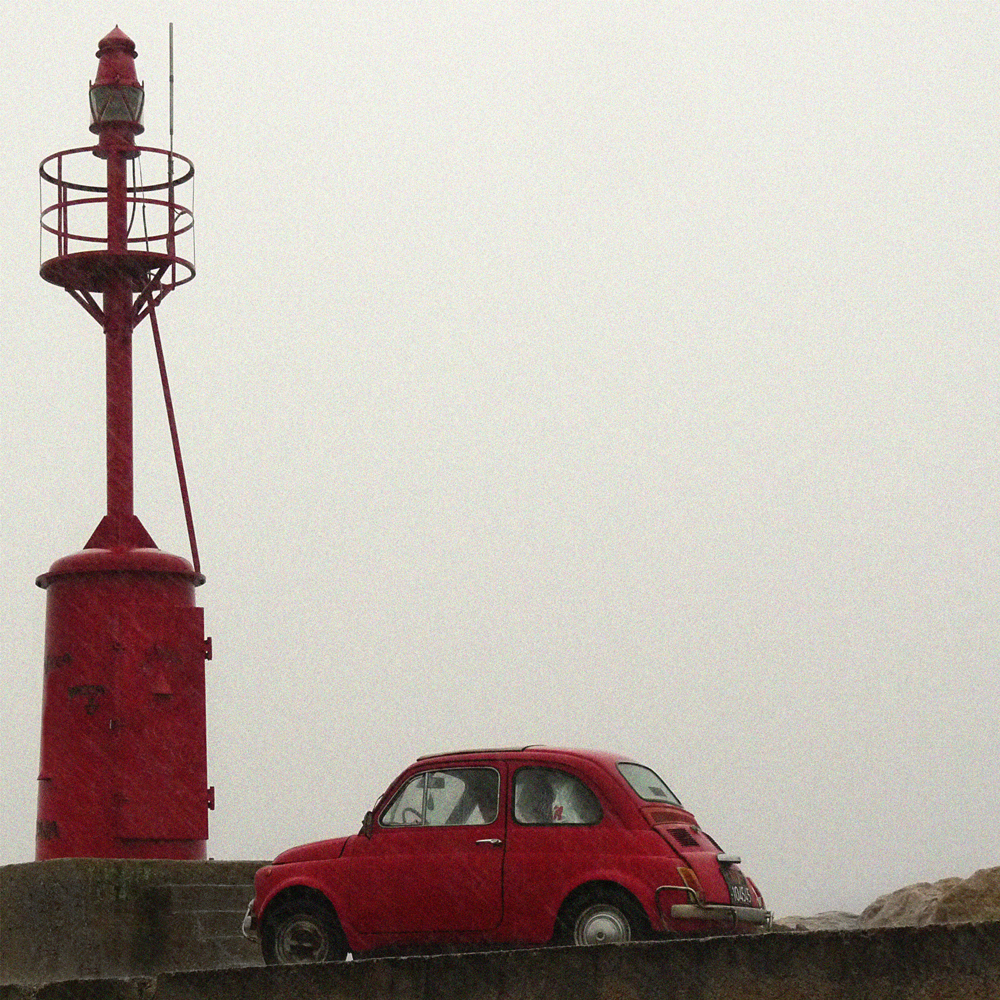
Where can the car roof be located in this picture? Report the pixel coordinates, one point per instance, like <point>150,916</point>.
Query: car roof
<point>602,757</point>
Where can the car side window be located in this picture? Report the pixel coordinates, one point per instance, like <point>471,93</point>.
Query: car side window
<point>465,796</point>
<point>544,796</point>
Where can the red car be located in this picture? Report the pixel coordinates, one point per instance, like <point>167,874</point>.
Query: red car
<point>504,847</point>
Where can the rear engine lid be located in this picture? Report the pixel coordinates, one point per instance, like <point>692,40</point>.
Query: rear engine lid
<point>680,830</point>
<point>714,875</point>
<point>707,871</point>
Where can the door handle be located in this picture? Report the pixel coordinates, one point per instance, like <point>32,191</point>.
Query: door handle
<point>490,840</point>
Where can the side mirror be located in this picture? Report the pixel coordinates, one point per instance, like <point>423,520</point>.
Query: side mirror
<point>367,824</point>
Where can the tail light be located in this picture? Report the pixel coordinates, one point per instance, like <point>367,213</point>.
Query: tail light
<point>692,882</point>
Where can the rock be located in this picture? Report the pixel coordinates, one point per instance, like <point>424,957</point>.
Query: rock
<point>951,900</point>
<point>913,905</point>
<point>829,920</point>
<point>975,898</point>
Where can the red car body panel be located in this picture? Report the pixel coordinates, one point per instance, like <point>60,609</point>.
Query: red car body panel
<point>501,881</point>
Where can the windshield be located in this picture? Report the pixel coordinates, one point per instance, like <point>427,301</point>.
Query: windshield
<point>647,784</point>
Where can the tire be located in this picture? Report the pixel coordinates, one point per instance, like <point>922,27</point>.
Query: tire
<point>300,932</point>
<point>604,917</point>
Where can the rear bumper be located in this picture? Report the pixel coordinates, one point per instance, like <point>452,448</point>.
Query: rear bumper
<point>719,913</point>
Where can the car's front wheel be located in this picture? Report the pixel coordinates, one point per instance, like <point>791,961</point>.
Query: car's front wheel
<point>302,931</point>
<point>607,918</point>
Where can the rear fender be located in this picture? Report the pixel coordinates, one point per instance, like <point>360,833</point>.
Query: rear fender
<point>617,881</point>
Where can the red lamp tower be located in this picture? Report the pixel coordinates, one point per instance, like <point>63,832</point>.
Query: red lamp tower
<point>123,750</point>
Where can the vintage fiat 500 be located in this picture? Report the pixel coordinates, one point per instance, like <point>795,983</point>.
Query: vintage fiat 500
<point>505,847</point>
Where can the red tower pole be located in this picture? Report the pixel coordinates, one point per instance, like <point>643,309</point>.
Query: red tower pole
<point>118,378</point>
<point>123,751</point>
<point>116,128</point>
<point>118,338</point>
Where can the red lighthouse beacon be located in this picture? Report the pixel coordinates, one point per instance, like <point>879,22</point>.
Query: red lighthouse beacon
<point>123,756</point>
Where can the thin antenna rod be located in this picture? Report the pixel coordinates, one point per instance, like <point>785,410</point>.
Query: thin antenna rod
<point>171,36</point>
<point>171,211</point>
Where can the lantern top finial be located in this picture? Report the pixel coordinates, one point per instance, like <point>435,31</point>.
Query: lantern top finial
<point>116,52</point>
<point>116,95</point>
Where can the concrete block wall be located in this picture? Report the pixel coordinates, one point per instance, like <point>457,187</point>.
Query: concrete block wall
<point>169,930</point>
<point>960,962</point>
<point>96,918</point>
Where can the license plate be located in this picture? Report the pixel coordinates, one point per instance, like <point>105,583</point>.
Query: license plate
<point>739,888</point>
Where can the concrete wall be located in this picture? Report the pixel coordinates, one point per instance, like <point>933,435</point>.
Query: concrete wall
<point>80,926</point>
<point>961,962</point>
<point>80,918</point>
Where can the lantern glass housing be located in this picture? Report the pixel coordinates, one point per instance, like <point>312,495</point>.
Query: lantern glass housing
<point>115,104</point>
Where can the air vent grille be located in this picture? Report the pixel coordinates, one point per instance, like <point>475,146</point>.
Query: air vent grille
<point>683,836</point>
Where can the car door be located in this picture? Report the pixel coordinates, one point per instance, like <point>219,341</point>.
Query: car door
<point>560,835</point>
<point>434,861</point>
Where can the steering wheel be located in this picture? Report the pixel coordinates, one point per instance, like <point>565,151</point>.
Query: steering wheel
<point>416,821</point>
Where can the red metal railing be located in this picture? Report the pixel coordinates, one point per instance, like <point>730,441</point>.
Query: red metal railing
<point>73,219</point>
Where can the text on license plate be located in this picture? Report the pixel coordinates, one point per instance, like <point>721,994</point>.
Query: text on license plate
<point>739,889</point>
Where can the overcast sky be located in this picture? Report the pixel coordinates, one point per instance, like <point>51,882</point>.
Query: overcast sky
<point>599,374</point>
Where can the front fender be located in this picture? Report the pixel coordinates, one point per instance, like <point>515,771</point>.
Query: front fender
<point>326,878</point>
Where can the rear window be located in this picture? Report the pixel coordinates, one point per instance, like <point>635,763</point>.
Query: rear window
<point>648,784</point>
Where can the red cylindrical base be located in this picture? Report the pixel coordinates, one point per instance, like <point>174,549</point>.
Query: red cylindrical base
<point>123,756</point>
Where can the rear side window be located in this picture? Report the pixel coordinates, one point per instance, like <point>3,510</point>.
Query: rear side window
<point>648,784</point>
<point>546,797</point>
<point>467,796</point>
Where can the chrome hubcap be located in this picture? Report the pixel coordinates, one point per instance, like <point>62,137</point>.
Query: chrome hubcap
<point>601,924</point>
<point>301,940</point>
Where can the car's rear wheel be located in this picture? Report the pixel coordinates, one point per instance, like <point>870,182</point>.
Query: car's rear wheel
<point>302,931</point>
<point>605,917</point>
